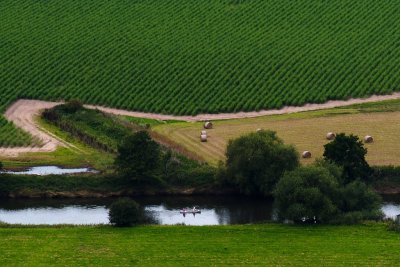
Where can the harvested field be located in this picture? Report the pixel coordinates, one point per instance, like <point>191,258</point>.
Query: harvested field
<point>307,131</point>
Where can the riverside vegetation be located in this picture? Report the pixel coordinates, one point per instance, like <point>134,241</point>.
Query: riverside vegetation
<point>218,56</point>
<point>141,165</point>
<point>251,244</point>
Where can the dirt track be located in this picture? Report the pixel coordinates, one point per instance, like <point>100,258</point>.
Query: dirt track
<point>23,113</point>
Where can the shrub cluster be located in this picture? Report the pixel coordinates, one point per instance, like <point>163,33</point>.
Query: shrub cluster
<point>315,194</point>
<point>124,212</point>
<point>255,162</point>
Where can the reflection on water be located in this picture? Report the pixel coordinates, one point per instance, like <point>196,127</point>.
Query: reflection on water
<point>158,210</point>
<point>47,170</point>
<point>391,206</point>
<point>67,215</point>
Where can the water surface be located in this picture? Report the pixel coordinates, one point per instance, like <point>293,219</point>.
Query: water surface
<point>48,170</point>
<point>158,209</point>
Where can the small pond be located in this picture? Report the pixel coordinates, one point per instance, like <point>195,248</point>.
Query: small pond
<point>164,210</point>
<point>47,170</point>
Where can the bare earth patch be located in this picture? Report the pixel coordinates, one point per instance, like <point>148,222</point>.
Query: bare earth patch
<point>23,113</point>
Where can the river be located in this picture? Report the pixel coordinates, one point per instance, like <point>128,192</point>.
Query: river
<point>165,210</point>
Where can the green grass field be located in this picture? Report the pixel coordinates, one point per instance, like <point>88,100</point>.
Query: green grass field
<point>306,130</point>
<point>250,245</point>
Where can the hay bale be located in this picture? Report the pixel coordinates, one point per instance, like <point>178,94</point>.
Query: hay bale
<point>208,125</point>
<point>204,132</point>
<point>259,129</point>
<point>330,136</point>
<point>306,154</point>
<point>368,139</point>
<point>203,138</point>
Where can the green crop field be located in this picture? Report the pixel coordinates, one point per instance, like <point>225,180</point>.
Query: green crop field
<point>250,245</point>
<point>12,137</point>
<point>190,56</point>
<point>215,55</point>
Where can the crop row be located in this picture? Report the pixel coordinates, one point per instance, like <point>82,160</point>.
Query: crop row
<point>190,56</point>
<point>13,137</point>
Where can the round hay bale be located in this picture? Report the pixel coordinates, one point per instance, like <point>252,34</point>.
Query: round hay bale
<point>208,125</point>
<point>368,139</point>
<point>259,129</point>
<point>306,154</point>
<point>330,136</point>
<point>204,132</point>
<point>203,138</point>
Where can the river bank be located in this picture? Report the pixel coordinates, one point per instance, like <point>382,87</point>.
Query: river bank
<point>89,185</point>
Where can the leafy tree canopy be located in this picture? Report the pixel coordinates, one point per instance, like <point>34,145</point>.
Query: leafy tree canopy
<point>307,194</point>
<point>139,157</point>
<point>314,194</point>
<point>256,161</point>
<point>349,153</point>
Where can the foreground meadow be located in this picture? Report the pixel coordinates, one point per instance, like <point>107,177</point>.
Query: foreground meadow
<point>240,245</point>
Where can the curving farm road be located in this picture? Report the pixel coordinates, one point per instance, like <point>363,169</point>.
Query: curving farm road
<point>23,113</point>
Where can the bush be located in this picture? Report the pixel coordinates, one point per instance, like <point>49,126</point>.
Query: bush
<point>307,194</point>
<point>139,158</point>
<point>314,193</point>
<point>386,176</point>
<point>358,202</point>
<point>255,162</point>
<point>72,106</point>
<point>124,212</point>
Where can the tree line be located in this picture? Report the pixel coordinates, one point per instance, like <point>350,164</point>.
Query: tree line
<point>332,190</point>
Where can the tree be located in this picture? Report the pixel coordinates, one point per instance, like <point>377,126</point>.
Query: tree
<point>124,212</point>
<point>315,192</point>
<point>138,157</point>
<point>349,153</point>
<point>307,194</point>
<point>255,162</point>
<point>358,202</point>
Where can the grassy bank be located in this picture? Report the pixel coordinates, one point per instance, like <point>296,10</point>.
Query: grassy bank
<point>305,130</point>
<point>186,182</point>
<point>77,154</point>
<point>267,245</point>
<point>62,185</point>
